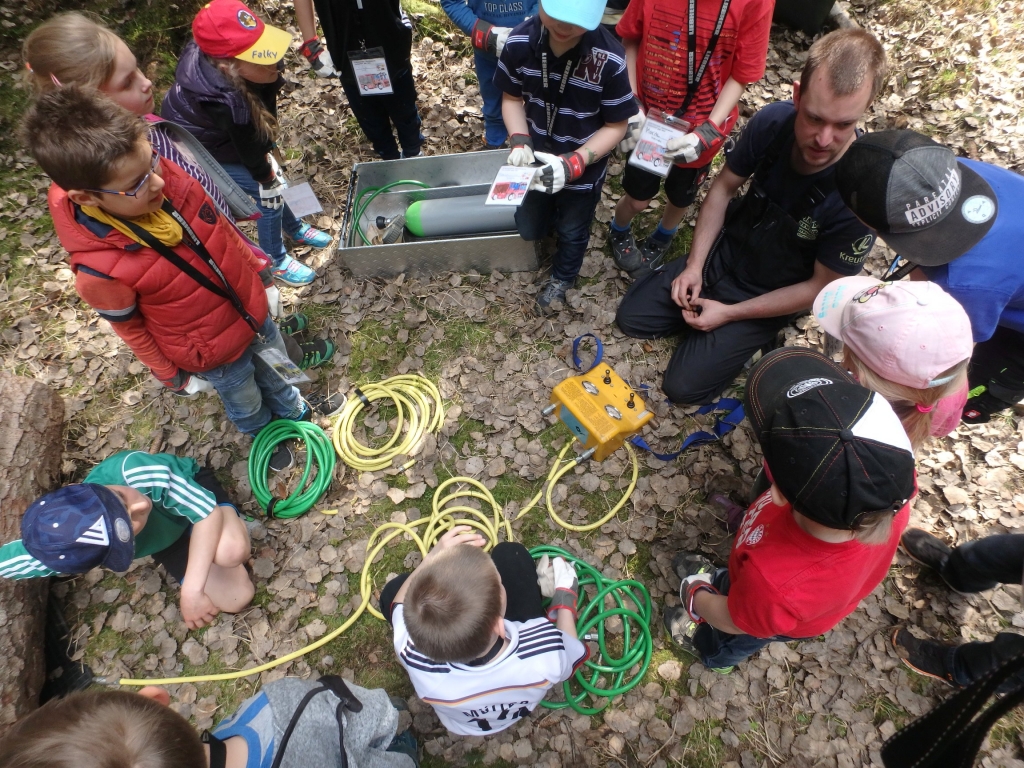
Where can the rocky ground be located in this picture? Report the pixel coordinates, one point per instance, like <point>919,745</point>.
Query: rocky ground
<point>956,73</point>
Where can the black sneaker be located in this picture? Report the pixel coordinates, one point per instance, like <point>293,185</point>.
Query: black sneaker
<point>691,563</point>
<point>316,353</point>
<point>925,549</point>
<point>552,291</point>
<point>283,458</point>
<point>327,405</point>
<point>625,252</point>
<point>981,406</point>
<point>294,323</point>
<point>926,657</point>
<point>652,254</point>
<point>681,629</point>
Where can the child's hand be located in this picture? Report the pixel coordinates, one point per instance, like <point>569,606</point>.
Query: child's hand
<point>460,534</point>
<point>197,609</point>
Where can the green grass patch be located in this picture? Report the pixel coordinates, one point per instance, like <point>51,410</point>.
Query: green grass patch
<point>702,748</point>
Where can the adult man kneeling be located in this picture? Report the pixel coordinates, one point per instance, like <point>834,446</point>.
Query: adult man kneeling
<point>758,259</point>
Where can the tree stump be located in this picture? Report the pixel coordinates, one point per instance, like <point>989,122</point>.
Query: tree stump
<point>31,441</point>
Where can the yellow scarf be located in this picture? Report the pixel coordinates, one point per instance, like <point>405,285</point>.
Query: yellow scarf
<point>159,223</point>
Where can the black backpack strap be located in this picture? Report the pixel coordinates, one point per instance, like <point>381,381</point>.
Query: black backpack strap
<point>347,700</point>
<point>218,751</point>
<point>950,736</point>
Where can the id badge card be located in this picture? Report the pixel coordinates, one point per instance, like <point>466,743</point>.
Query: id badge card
<point>371,71</point>
<point>658,130</point>
<point>286,369</point>
<point>510,185</point>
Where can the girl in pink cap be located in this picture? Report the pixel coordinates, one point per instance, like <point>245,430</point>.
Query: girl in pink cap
<point>910,341</point>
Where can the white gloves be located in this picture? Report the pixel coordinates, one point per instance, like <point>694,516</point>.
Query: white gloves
<point>546,576</point>
<point>274,300</point>
<point>522,150</point>
<point>634,127</point>
<point>319,58</point>
<point>551,176</point>
<point>195,385</point>
<point>501,35</point>
<point>270,191</point>
<point>682,149</point>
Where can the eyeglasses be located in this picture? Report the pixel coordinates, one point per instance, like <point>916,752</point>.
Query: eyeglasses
<point>143,183</point>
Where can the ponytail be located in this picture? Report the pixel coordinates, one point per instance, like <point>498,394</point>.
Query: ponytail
<point>69,49</point>
<point>262,119</point>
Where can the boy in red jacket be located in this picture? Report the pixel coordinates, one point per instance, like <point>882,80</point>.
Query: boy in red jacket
<point>698,77</point>
<point>822,537</point>
<point>154,257</point>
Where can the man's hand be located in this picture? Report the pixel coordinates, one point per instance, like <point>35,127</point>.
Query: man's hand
<point>521,155</point>
<point>694,144</point>
<point>319,58</point>
<point>707,314</point>
<point>488,38</point>
<point>686,288</point>
<point>634,127</point>
<point>556,171</point>
<point>566,588</point>
<point>197,609</point>
<point>460,534</point>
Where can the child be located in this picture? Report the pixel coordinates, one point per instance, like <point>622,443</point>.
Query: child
<point>567,95</point>
<point>663,62</point>
<point>154,258</point>
<point>910,341</point>
<point>471,632</point>
<point>822,537</point>
<point>135,504</point>
<point>488,25</point>
<point>376,33</point>
<point>225,93</point>
<point>290,723</point>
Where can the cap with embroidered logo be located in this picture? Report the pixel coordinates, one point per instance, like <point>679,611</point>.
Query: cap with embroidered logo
<point>227,29</point>
<point>836,450</point>
<point>927,206</point>
<point>79,527</point>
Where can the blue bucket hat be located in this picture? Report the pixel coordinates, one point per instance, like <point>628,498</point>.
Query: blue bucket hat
<point>79,527</point>
<point>582,13</point>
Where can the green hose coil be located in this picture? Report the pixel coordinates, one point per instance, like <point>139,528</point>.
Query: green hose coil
<point>637,644</point>
<point>308,492</point>
<point>360,206</point>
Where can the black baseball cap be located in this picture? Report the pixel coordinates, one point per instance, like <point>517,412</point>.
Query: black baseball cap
<point>913,192</point>
<point>836,450</point>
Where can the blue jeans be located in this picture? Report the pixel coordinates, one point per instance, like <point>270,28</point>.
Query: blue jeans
<point>570,213</point>
<point>720,649</point>
<point>269,225</point>
<point>252,391</point>
<point>494,125</point>
<point>375,114</point>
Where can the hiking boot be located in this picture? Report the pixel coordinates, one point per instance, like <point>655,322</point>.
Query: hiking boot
<point>327,405</point>
<point>315,353</point>
<point>308,235</point>
<point>625,252</point>
<point>681,629</point>
<point>981,406</point>
<point>292,272</point>
<point>925,549</point>
<point>652,254</point>
<point>283,458</point>
<point>926,657</point>
<point>690,564</point>
<point>552,291</point>
<point>293,324</point>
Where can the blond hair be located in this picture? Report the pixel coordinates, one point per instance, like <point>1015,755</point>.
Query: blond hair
<point>905,400</point>
<point>873,528</point>
<point>71,48</point>
<point>453,603</point>
<point>850,56</point>
<point>102,729</point>
<point>263,121</point>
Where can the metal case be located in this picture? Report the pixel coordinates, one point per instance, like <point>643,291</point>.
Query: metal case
<point>469,173</point>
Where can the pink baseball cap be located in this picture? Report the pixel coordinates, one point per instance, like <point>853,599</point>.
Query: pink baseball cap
<point>908,332</point>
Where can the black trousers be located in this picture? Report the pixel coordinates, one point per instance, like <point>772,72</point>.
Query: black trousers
<point>376,115</point>
<point>703,364</point>
<point>518,577</point>
<point>999,364</point>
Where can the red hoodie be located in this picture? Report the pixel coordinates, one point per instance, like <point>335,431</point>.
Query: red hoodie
<point>170,322</point>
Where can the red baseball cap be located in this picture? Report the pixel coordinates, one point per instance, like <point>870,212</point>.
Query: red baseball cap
<point>227,29</point>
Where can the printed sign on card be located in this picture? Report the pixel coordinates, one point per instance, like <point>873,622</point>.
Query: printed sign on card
<point>510,185</point>
<point>659,129</point>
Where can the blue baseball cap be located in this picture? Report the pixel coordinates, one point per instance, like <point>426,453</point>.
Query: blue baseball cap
<point>582,13</point>
<point>79,527</point>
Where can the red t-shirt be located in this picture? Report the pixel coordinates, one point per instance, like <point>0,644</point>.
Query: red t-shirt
<point>783,581</point>
<point>660,26</point>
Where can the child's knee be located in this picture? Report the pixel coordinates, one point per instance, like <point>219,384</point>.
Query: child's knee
<point>234,547</point>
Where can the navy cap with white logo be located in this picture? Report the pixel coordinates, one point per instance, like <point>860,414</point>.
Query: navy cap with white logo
<point>926,205</point>
<point>79,527</point>
<point>836,450</point>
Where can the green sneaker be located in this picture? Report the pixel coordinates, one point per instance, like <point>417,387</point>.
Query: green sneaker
<point>294,323</point>
<point>681,629</point>
<point>315,353</point>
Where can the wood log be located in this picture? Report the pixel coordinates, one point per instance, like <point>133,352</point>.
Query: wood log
<point>31,442</point>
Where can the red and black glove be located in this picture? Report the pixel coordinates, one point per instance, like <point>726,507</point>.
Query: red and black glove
<point>488,38</point>
<point>557,171</point>
<point>690,587</point>
<point>688,148</point>
<point>319,58</point>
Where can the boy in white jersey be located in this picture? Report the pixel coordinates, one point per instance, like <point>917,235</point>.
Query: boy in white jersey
<point>472,633</point>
